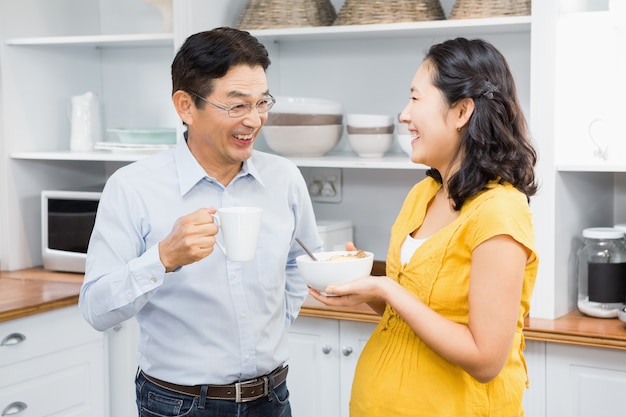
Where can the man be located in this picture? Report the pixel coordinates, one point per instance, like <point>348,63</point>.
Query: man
<point>213,332</point>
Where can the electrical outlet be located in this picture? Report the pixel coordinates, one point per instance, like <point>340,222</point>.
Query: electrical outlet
<point>325,185</point>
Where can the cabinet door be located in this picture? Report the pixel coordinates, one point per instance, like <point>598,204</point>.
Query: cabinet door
<point>122,343</point>
<point>68,383</point>
<point>535,395</point>
<point>314,367</point>
<point>585,381</point>
<point>52,364</point>
<point>352,337</point>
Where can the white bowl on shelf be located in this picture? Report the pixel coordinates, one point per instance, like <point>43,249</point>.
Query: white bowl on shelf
<point>306,105</point>
<point>403,128</point>
<point>324,272</point>
<point>369,120</point>
<point>404,140</point>
<point>302,141</point>
<point>370,145</point>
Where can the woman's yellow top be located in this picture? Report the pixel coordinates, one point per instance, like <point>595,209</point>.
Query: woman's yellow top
<point>397,374</point>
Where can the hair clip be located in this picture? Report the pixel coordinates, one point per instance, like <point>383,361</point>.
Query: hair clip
<point>491,88</point>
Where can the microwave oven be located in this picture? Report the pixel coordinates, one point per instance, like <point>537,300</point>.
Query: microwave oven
<point>67,220</point>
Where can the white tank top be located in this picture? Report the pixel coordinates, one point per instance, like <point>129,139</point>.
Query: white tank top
<point>409,246</point>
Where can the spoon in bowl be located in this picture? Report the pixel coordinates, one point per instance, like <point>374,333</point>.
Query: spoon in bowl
<point>308,252</point>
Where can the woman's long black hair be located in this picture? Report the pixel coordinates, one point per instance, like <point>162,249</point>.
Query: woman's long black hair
<point>495,144</point>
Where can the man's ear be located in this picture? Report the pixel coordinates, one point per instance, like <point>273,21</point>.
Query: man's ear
<point>184,105</point>
<point>463,111</point>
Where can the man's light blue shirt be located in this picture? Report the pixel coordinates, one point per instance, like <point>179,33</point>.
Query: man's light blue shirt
<point>213,321</point>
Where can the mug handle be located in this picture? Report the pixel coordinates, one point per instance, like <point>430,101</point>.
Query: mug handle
<point>216,219</point>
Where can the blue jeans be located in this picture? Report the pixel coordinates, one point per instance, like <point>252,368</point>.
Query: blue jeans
<point>154,401</point>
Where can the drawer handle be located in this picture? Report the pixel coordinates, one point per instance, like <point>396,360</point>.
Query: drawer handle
<point>14,408</point>
<point>326,349</point>
<point>346,350</point>
<point>13,339</point>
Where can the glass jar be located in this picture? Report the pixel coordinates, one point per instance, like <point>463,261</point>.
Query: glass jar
<point>602,272</point>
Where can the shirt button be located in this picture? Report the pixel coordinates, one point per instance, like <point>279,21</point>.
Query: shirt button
<point>153,280</point>
<point>233,276</point>
<point>242,315</point>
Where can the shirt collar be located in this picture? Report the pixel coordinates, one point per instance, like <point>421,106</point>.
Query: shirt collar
<point>190,172</point>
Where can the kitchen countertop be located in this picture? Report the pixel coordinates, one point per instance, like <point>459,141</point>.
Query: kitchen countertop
<point>572,328</point>
<point>35,290</point>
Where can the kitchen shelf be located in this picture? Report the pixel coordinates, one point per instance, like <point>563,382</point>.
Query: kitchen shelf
<point>81,156</point>
<point>350,160</point>
<point>340,160</point>
<point>463,27</point>
<point>606,167</point>
<point>146,39</point>
<point>456,27</point>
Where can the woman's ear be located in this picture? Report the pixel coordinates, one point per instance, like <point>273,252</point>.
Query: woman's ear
<point>184,105</point>
<point>463,111</point>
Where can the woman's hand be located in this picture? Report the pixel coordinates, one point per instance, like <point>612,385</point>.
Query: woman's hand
<point>359,291</point>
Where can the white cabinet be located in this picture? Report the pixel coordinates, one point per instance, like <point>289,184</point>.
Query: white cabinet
<point>535,395</point>
<point>122,366</point>
<point>323,356</point>
<point>585,381</point>
<point>574,381</point>
<point>52,364</point>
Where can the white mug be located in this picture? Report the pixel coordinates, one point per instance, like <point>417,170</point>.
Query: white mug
<point>240,228</point>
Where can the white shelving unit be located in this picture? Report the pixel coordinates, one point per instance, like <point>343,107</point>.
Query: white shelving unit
<point>116,49</point>
<point>367,68</point>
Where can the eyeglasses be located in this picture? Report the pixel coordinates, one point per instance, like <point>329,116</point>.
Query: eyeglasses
<point>239,110</point>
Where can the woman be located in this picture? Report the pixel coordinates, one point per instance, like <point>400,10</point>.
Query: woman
<point>461,263</point>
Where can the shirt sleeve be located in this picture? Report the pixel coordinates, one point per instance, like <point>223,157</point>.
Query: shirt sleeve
<point>121,274</point>
<point>504,211</point>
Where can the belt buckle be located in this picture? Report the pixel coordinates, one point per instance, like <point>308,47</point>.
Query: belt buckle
<point>239,385</point>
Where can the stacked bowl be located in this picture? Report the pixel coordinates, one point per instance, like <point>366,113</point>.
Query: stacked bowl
<point>370,135</point>
<point>404,138</point>
<point>303,127</point>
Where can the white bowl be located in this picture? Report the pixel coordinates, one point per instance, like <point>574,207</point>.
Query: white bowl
<point>405,143</point>
<point>369,120</point>
<point>306,105</point>
<point>403,128</point>
<point>370,146</point>
<point>320,274</point>
<point>302,141</point>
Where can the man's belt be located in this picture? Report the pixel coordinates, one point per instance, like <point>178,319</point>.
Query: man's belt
<point>240,392</point>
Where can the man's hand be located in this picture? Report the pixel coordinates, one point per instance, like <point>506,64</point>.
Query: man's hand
<point>192,238</point>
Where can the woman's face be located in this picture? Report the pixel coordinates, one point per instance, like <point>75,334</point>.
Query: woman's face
<point>432,123</point>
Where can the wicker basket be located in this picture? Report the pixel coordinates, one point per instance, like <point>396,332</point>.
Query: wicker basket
<point>475,9</point>
<point>363,12</point>
<point>272,14</point>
